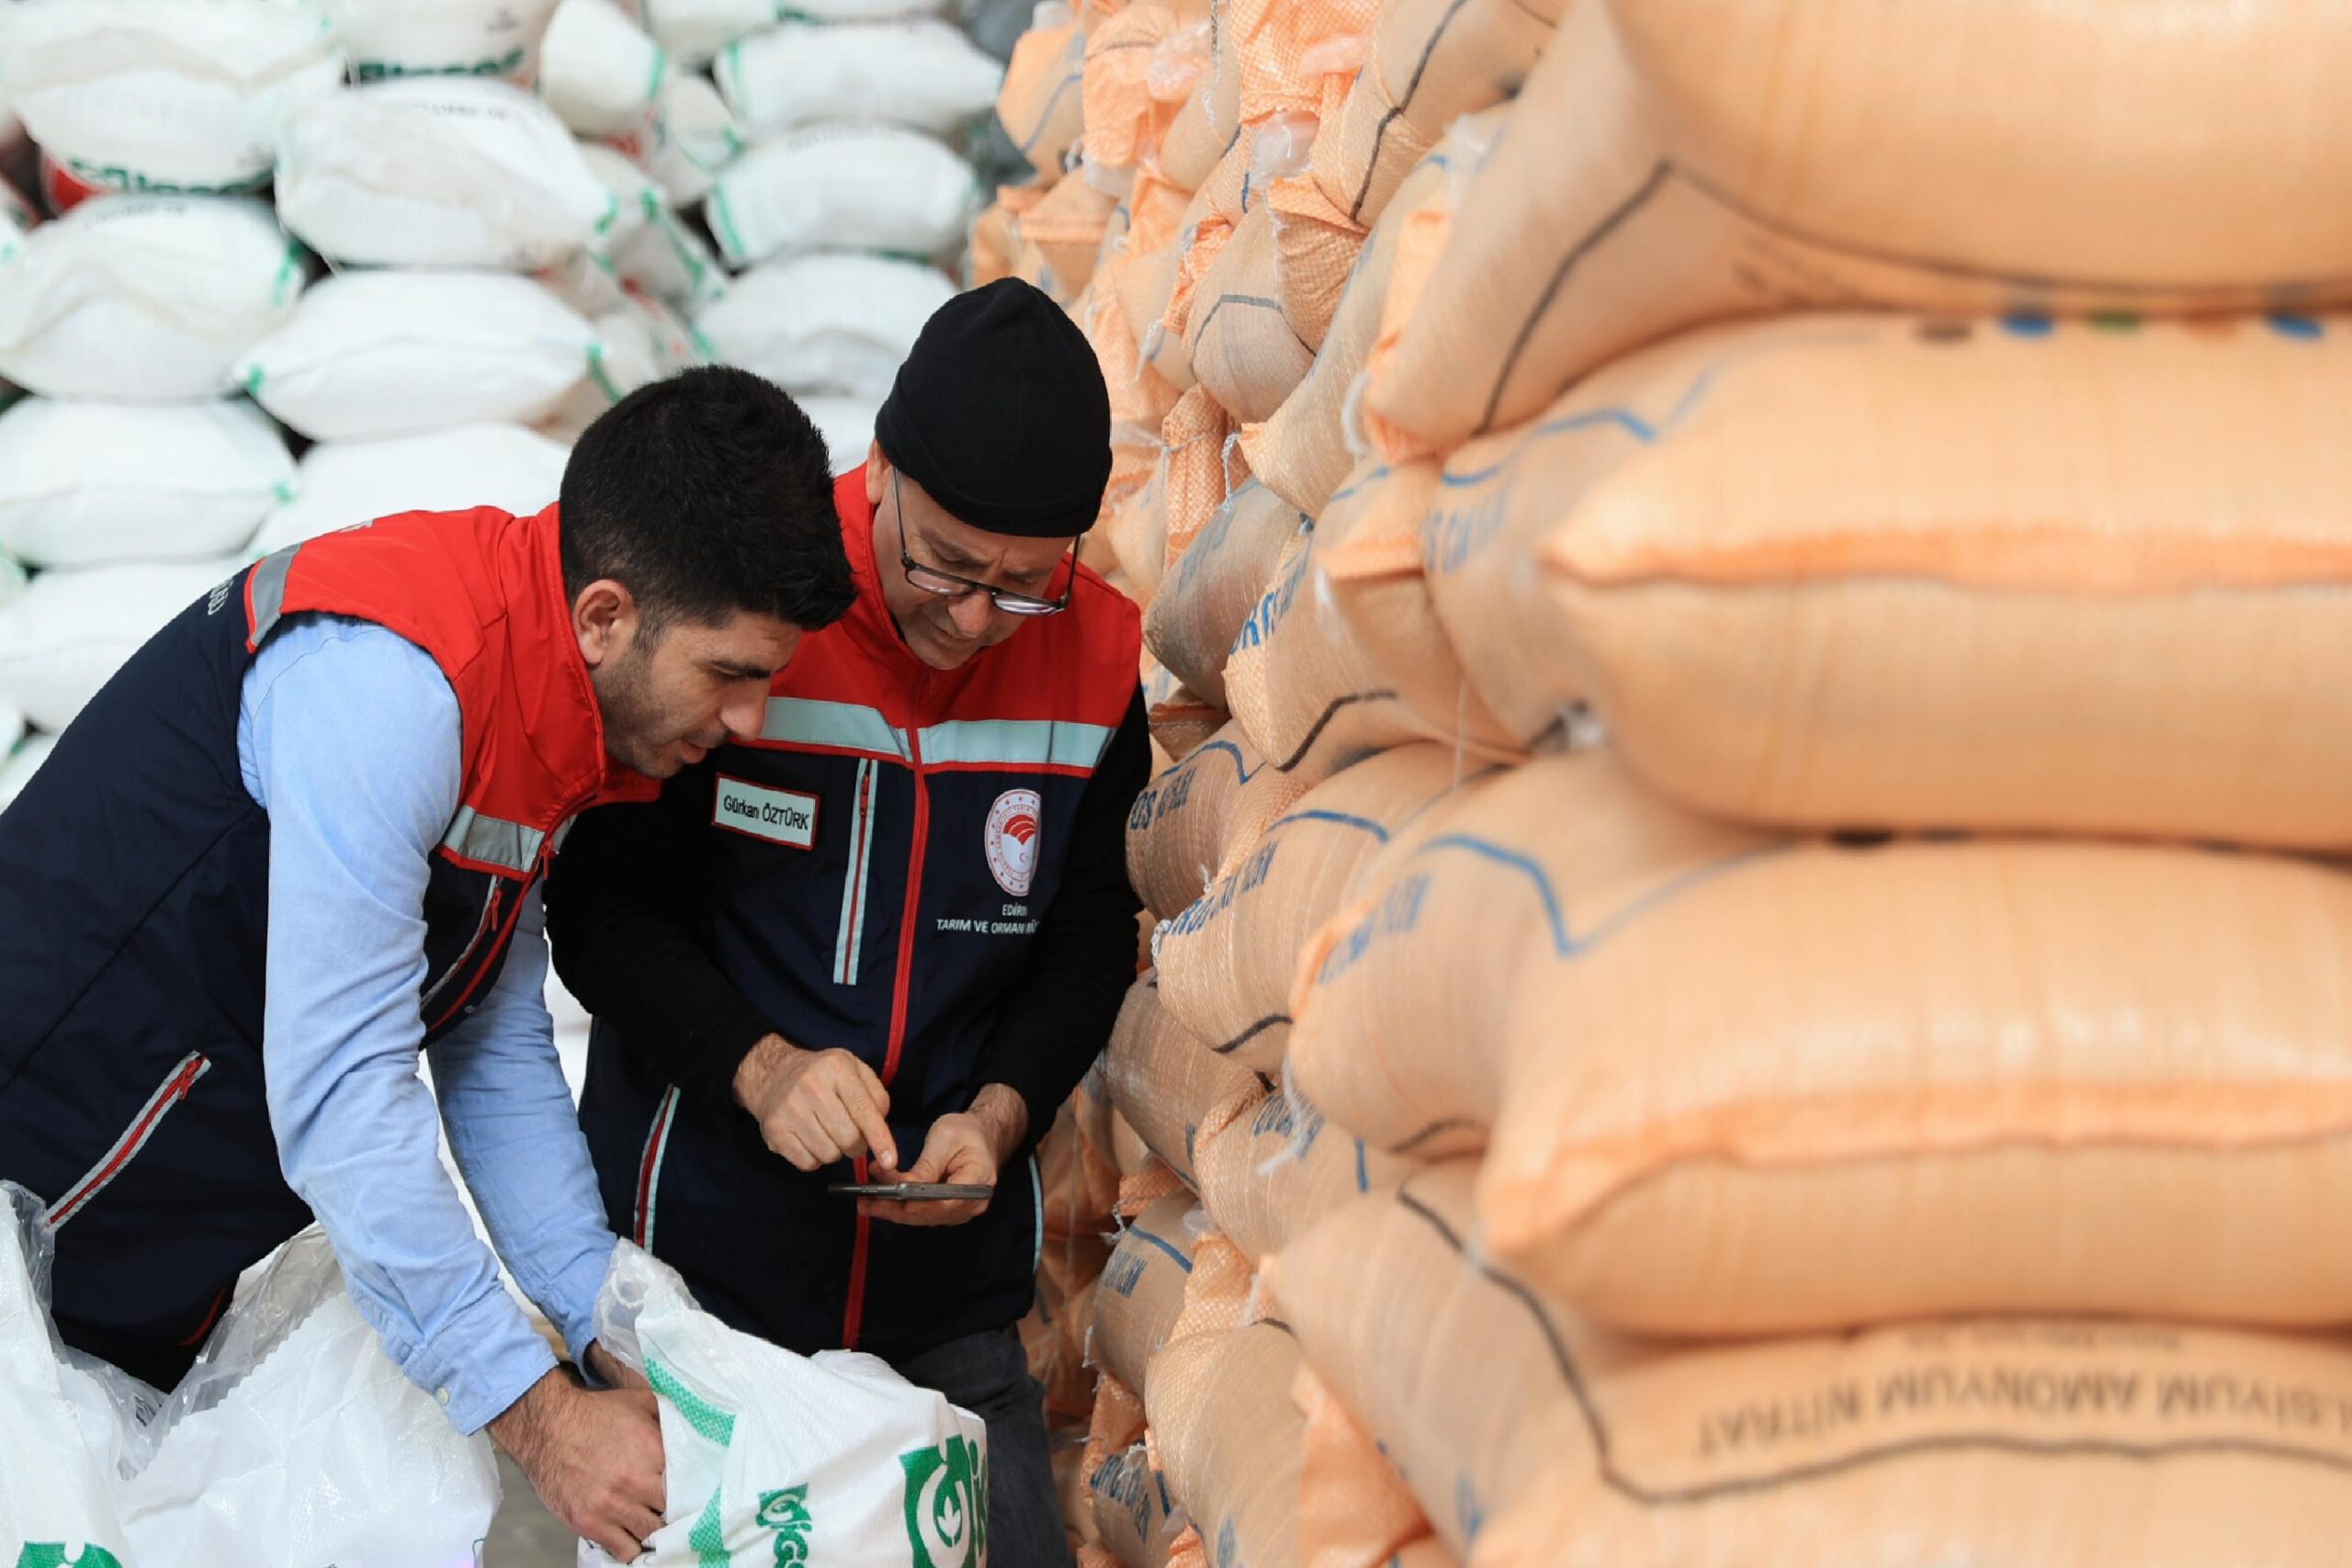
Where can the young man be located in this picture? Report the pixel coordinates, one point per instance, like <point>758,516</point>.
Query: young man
<point>886,936</point>
<point>297,838</point>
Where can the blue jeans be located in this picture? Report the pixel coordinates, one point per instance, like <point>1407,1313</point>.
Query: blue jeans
<point>987,1374</point>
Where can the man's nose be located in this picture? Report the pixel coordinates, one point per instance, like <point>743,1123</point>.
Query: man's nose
<point>744,715</point>
<point>972,613</point>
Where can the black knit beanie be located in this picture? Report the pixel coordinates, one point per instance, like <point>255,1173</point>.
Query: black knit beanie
<point>1000,413</point>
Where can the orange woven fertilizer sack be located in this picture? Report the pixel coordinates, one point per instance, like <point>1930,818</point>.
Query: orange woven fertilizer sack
<point>1936,1079</point>
<point>1673,162</point>
<point>2048,1443</point>
<point>1872,571</point>
<point>1432,947</point>
<point>1227,962</point>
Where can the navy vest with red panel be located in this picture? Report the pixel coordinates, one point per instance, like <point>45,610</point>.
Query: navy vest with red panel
<point>134,874</point>
<point>874,864</point>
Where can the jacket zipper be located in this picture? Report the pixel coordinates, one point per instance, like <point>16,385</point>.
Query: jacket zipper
<point>473,945</point>
<point>173,1088</point>
<point>854,1317</point>
<point>489,920</point>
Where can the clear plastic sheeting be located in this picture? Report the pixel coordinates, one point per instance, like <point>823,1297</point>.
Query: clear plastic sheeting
<point>294,1441</point>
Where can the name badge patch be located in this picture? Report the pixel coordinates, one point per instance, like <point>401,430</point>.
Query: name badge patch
<point>779,816</point>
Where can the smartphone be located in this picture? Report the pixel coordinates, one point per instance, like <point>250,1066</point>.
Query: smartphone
<point>910,1191</point>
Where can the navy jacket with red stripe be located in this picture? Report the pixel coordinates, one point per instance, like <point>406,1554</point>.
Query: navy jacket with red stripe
<point>134,877</point>
<point>878,872</point>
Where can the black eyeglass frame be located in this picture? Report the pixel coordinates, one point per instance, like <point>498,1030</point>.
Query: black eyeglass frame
<point>948,585</point>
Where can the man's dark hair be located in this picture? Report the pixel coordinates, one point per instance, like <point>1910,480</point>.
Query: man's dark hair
<point>707,494</point>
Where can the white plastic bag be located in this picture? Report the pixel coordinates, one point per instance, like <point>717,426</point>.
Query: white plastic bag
<point>12,729</point>
<point>598,70</point>
<point>632,195</point>
<point>435,172</point>
<point>923,73</point>
<point>826,323</point>
<point>342,483</point>
<point>695,30</point>
<point>373,353</point>
<point>297,1442</point>
<point>56,1491</point>
<point>72,630</point>
<point>690,136</point>
<point>777,1458</point>
<point>144,298</point>
<point>163,95</point>
<point>384,38</point>
<point>94,484</point>
<point>844,187</point>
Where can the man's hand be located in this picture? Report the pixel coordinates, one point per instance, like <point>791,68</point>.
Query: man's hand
<point>594,1458</point>
<point>615,1372</point>
<point>969,1147</point>
<point>815,1107</point>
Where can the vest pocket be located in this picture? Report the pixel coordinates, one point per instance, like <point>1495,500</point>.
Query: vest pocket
<point>849,943</point>
<point>135,1137</point>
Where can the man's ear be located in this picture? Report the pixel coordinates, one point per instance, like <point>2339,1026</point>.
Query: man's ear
<point>877,473</point>
<point>605,619</point>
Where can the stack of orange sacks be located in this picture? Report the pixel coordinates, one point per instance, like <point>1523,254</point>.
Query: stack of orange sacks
<point>1753,962</point>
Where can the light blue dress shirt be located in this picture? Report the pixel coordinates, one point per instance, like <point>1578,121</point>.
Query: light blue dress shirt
<point>349,736</point>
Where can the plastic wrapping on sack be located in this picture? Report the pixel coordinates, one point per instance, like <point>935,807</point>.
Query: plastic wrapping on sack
<point>1901,1115</point>
<point>830,1459</point>
<point>144,298</point>
<point>923,73</point>
<point>672,261</point>
<point>1204,601</point>
<point>1540,860</point>
<point>825,323</point>
<point>68,633</point>
<point>1227,961</point>
<point>59,1429</point>
<point>435,172</point>
<point>856,187</point>
<point>1344,653</point>
<point>92,484</point>
<point>1170,1087</point>
<point>2020,577</point>
<point>375,354</point>
<point>598,70</point>
<point>294,1441</point>
<point>340,483</point>
<point>2043,1442</point>
<point>1141,1293</point>
<point>1656,175</point>
<point>163,95</point>
<point>438,37</point>
<point>1306,450</point>
<point>1197,817</point>
<point>1432,62</point>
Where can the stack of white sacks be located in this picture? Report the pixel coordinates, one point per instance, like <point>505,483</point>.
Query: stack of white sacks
<point>420,245</point>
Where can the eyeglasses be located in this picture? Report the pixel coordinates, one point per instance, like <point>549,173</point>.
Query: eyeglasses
<point>948,585</point>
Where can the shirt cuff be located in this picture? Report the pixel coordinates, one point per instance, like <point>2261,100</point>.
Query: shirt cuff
<point>570,1304</point>
<point>486,1359</point>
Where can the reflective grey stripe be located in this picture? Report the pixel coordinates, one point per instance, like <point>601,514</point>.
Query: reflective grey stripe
<point>492,841</point>
<point>269,590</point>
<point>847,725</point>
<point>1016,743</point>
